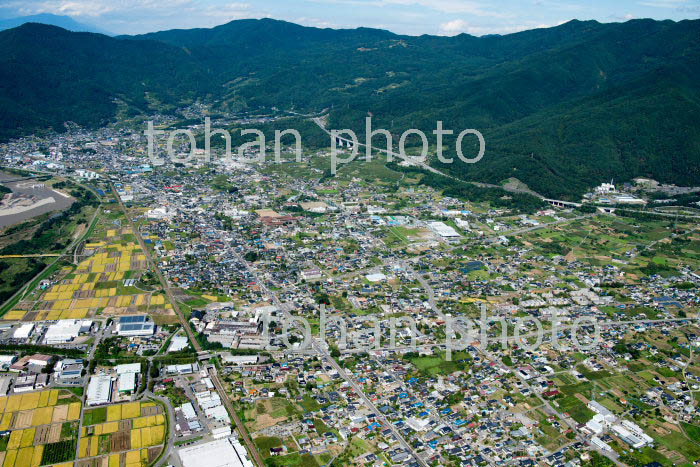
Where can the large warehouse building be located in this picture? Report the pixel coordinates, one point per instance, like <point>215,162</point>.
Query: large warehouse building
<point>226,452</point>
<point>99,390</point>
<point>135,325</point>
<point>65,330</point>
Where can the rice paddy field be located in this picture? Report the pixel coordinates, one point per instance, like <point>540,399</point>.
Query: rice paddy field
<point>40,428</point>
<point>96,286</point>
<point>122,435</point>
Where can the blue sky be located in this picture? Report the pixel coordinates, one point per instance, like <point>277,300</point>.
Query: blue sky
<point>445,17</point>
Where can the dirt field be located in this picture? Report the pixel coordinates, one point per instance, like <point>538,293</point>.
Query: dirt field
<point>265,421</point>
<point>23,419</point>
<point>121,441</point>
<point>60,413</point>
<point>148,411</point>
<point>153,453</point>
<point>31,316</point>
<point>46,434</point>
<point>55,433</point>
<point>162,317</point>
<point>92,462</point>
<point>65,396</point>
<point>117,311</point>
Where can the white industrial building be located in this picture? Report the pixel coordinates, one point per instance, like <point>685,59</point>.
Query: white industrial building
<point>604,419</point>
<point>65,330</point>
<point>600,444</point>
<point>24,383</point>
<point>99,390</point>
<point>135,325</point>
<point>443,229</point>
<point>628,199</point>
<point>603,411</point>
<point>220,430</point>
<point>188,411</point>
<point>632,434</point>
<point>127,376</point>
<point>7,360</point>
<point>605,188</point>
<point>127,382</point>
<point>69,368</point>
<point>90,175</point>
<point>462,224</point>
<point>40,359</point>
<point>239,360</point>
<point>377,277</point>
<point>23,331</point>
<point>226,452</point>
<point>160,213</point>
<point>178,343</point>
<point>183,369</point>
<point>128,368</point>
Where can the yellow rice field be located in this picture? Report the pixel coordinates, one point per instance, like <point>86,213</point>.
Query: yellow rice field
<point>41,403</point>
<point>22,414</point>
<point>79,294</point>
<point>142,432</point>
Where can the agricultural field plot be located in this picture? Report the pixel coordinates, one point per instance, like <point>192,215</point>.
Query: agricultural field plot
<point>269,412</point>
<point>96,286</point>
<point>41,428</point>
<point>130,434</point>
<point>638,247</point>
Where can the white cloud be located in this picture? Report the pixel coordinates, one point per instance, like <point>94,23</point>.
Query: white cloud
<point>138,16</point>
<point>664,3</point>
<point>226,11</point>
<point>458,26</point>
<point>453,27</point>
<point>317,22</point>
<point>92,8</point>
<point>73,8</point>
<point>442,6</point>
<point>97,8</point>
<point>451,6</point>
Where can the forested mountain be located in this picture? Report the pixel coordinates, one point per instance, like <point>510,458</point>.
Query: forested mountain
<point>561,108</point>
<point>62,21</point>
<point>49,75</point>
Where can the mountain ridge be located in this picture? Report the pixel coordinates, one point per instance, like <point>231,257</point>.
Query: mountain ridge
<point>62,21</point>
<point>515,88</point>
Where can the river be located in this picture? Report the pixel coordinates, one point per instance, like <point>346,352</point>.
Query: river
<point>46,200</point>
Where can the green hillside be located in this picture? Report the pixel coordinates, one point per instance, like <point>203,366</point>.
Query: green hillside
<point>562,108</point>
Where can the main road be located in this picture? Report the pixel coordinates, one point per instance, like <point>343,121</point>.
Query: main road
<point>326,356</point>
<point>497,361</point>
<point>193,339</point>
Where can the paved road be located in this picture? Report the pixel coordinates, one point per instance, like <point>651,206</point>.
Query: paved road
<point>489,356</point>
<point>543,226</point>
<point>319,121</point>
<point>358,389</point>
<point>186,326</point>
<point>154,267</point>
<point>239,423</point>
<point>167,449</point>
<point>326,356</point>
